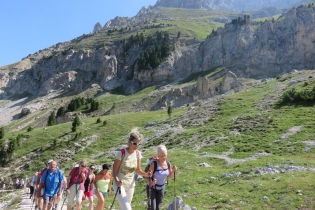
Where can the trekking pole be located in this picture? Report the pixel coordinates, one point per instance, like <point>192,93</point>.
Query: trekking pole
<point>64,200</point>
<point>33,203</point>
<point>174,192</point>
<point>53,201</point>
<point>149,198</point>
<point>118,189</point>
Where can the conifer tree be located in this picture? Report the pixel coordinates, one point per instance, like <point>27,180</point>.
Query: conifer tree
<point>1,133</point>
<point>52,119</point>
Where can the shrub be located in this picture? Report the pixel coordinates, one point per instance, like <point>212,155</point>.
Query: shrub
<point>29,129</point>
<point>98,120</point>
<point>1,133</point>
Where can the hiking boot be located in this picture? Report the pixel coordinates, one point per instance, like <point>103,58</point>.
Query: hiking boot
<point>36,207</point>
<point>53,209</point>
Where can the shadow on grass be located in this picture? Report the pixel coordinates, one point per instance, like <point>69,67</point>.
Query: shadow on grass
<point>281,103</point>
<point>193,77</point>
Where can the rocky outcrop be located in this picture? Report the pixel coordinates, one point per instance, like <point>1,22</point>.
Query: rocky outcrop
<point>25,111</point>
<point>203,89</point>
<point>97,27</point>
<point>116,22</point>
<point>108,72</point>
<point>232,5</point>
<point>273,48</point>
<point>190,4</point>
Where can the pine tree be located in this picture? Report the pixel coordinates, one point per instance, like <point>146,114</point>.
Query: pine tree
<point>52,119</point>
<point>169,111</point>
<point>76,122</point>
<point>1,133</point>
<point>61,111</point>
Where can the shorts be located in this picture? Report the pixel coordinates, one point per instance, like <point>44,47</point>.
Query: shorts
<point>77,192</point>
<point>31,190</point>
<point>49,199</point>
<point>89,193</point>
<point>104,193</point>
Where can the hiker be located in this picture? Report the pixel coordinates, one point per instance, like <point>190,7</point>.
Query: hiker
<point>17,183</point>
<point>103,186</point>
<point>32,183</point>
<point>3,187</point>
<point>59,198</point>
<point>22,183</point>
<point>89,187</point>
<point>75,182</point>
<point>161,169</point>
<point>51,181</point>
<point>128,161</point>
<point>36,186</point>
<point>40,192</point>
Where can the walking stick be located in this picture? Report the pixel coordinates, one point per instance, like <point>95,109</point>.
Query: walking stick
<point>149,198</point>
<point>64,200</point>
<point>118,189</point>
<point>174,192</point>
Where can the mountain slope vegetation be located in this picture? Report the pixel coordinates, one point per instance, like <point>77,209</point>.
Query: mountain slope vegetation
<point>249,148</point>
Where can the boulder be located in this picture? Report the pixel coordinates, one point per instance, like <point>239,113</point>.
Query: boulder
<point>25,111</point>
<point>180,205</point>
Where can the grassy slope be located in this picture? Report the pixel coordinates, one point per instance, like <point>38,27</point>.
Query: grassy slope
<point>259,124</point>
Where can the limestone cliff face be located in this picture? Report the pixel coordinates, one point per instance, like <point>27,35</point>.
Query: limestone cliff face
<point>232,5</point>
<point>257,50</point>
<point>203,89</point>
<point>271,49</point>
<point>191,4</point>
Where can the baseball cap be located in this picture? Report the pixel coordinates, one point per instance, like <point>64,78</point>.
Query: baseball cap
<point>49,161</point>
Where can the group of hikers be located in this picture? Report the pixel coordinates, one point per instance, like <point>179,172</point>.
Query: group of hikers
<point>47,186</point>
<point>19,183</point>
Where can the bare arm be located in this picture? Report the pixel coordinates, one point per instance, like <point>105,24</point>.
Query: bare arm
<point>110,184</point>
<point>139,171</point>
<point>172,171</point>
<point>115,172</point>
<point>68,182</point>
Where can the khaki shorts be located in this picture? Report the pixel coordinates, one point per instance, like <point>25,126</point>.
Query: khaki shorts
<point>75,192</point>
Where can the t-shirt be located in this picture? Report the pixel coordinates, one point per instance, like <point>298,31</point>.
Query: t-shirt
<point>76,177</point>
<point>51,181</point>
<point>127,168</point>
<point>33,181</point>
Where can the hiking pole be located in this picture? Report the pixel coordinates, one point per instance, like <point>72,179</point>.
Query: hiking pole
<point>34,197</point>
<point>149,198</point>
<point>33,203</point>
<point>53,200</point>
<point>118,189</point>
<point>64,200</point>
<point>174,192</point>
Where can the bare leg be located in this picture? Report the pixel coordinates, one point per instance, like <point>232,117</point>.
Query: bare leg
<point>100,201</point>
<point>90,203</point>
<point>78,206</point>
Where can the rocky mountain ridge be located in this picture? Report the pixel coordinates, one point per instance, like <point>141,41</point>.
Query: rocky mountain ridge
<point>231,5</point>
<point>249,49</point>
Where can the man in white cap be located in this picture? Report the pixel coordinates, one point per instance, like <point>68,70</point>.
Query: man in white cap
<point>51,181</point>
<point>40,201</point>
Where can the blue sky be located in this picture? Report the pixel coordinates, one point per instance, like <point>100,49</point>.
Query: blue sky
<point>31,25</point>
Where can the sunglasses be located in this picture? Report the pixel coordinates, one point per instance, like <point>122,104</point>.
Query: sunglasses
<point>83,166</point>
<point>134,143</point>
<point>92,168</point>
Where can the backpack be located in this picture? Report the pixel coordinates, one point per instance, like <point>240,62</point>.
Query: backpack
<point>47,174</point>
<point>58,174</point>
<point>154,161</point>
<point>123,153</point>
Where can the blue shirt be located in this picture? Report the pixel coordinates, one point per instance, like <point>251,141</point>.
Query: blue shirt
<point>51,181</point>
